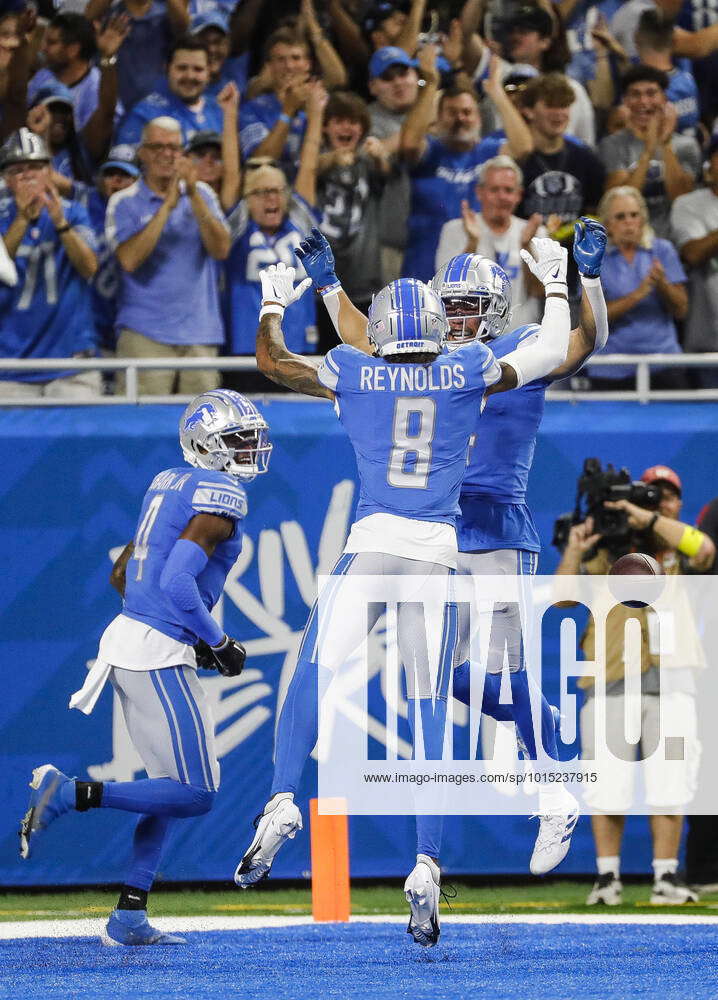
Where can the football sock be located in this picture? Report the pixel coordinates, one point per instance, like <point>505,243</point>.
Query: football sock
<point>522,684</point>
<point>664,866</point>
<point>88,795</point>
<point>297,730</point>
<point>157,797</point>
<point>147,845</point>
<point>132,898</point>
<point>429,828</point>
<point>609,863</point>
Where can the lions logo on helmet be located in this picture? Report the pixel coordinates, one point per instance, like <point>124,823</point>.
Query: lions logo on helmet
<point>407,317</point>
<point>477,295</point>
<point>223,431</point>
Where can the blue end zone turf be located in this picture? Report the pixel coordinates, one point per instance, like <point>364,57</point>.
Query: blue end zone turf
<point>377,961</point>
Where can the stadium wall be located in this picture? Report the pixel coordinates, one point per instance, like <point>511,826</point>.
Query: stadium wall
<point>72,482</point>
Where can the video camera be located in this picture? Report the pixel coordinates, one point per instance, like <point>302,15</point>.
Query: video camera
<point>595,485</point>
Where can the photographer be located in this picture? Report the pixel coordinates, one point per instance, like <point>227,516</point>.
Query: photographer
<point>678,547</point>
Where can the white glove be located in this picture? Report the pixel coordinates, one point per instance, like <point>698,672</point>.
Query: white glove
<point>548,261</point>
<point>278,289</point>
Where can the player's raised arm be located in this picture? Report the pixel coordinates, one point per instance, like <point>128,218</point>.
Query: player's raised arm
<point>589,246</point>
<point>273,359</point>
<point>542,353</point>
<point>350,323</point>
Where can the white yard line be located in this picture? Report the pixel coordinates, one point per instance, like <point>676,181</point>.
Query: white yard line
<point>92,927</point>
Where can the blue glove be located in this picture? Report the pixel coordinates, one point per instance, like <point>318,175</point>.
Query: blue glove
<point>316,255</point>
<point>589,246</point>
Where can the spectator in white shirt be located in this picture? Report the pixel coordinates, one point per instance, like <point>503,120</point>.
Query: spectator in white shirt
<point>495,232</point>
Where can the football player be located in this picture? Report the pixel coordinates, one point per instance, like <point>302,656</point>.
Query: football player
<point>408,406</point>
<point>189,534</point>
<point>496,533</point>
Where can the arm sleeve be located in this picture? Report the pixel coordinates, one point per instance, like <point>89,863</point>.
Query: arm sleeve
<point>179,581</point>
<point>328,371</point>
<point>121,221</point>
<point>547,349</point>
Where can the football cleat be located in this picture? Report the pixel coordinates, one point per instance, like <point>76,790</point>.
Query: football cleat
<point>131,927</point>
<point>45,805</point>
<point>274,827</point>
<point>607,890</point>
<point>671,890</point>
<point>554,836</point>
<point>422,890</point>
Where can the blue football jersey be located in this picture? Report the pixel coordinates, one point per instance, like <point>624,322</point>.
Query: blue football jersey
<point>172,500</point>
<point>494,514</point>
<point>409,426</point>
<point>252,251</point>
<point>48,314</point>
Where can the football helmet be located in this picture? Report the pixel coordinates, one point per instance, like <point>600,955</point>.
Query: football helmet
<point>473,287</point>
<point>405,317</point>
<point>22,146</point>
<point>224,431</point>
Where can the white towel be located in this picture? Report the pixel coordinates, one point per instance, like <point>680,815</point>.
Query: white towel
<point>86,698</point>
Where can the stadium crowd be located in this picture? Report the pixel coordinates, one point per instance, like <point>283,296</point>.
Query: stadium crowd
<point>158,153</point>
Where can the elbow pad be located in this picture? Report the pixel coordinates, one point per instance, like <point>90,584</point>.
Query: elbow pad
<point>594,294</point>
<point>179,581</point>
<point>541,354</point>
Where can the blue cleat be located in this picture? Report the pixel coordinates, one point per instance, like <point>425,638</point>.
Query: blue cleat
<point>47,802</point>
<point>131,927</point>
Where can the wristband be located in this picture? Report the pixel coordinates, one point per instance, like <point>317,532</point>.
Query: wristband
<point>64,229</point>
<point>651,523</point>
<point>691,541</point>
<point>284,117</point>
<point>271,309</point>
<point>556,288</point>
<point>333,289</point>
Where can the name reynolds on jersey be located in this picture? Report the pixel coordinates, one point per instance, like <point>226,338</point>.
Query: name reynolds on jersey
<point>411,378</point>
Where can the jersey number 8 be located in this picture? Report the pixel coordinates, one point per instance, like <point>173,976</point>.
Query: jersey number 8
<point>412,435</point>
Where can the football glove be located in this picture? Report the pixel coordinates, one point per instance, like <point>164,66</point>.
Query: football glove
<point>316,255</point>
<point>228,657</point>
<point>548,261</point>
<point>278,289</point>
<point>589,246</point>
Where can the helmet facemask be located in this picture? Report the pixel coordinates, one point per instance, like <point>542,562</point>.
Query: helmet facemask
<point>216,435</point>
<point>478,316</point>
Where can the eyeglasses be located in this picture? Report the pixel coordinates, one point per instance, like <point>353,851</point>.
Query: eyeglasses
<point>162,147</point>
<point>265,192</point>
<point>622,216</point>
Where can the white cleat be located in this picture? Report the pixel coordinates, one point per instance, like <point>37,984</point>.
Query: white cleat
<point>671,890</point>
<point>554,836</point>
<point>422,891</point>
<point>607,890</point>
<point>277,824</point>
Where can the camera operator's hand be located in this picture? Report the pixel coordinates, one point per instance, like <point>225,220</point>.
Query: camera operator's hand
<point>639,518</point>
<point>581,539</point>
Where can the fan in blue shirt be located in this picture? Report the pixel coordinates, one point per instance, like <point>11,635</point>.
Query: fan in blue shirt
<point>444,169</point>
<point>184,97</point>
<point>48,313</point>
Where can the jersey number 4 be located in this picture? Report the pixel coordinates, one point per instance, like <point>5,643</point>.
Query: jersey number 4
<point>412,439</point>
<point>142,542</point>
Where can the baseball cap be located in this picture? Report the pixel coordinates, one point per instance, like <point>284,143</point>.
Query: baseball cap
<point>122,157</point>
<point>210,19</point>
<point>529,18</point>
<point>663,474</point>
<point>390,55</point>
<point>379,12</point>
<point>206,138</point>
<point>53,93</point>
<point>518,73</point>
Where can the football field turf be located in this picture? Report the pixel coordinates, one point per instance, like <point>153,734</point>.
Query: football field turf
<point>532,942</point>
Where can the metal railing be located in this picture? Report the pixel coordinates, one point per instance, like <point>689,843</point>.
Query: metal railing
<point>132,366</point>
